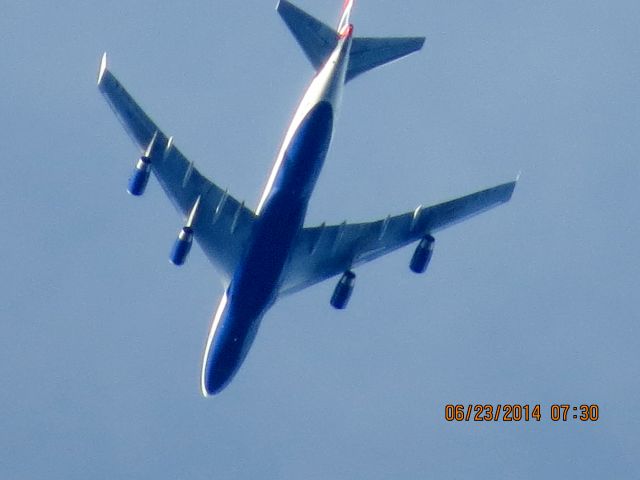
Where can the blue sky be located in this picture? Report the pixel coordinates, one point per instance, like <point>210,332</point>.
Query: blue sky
<point>535,302</point>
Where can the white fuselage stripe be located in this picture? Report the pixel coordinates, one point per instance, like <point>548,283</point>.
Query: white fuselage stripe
<point>212,331</point>
<point>326,86</point>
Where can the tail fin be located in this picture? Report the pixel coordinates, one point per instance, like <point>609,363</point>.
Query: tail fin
<point>345,17</point>
<point>318,40</point>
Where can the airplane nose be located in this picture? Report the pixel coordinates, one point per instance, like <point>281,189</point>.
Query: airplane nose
<point>217,362</point>
<point>230,337</point>
<point>218,369</point>
<point>223,356</point>
<point>214,382</point>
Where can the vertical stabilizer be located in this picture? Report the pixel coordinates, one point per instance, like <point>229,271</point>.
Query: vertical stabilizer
<point>345,18</point>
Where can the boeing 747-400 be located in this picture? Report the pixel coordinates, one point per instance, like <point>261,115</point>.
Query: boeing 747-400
<point>266,253</point>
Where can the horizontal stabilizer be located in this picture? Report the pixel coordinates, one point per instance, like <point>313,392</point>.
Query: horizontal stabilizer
<point>316,39</point>
<point>368,53</point>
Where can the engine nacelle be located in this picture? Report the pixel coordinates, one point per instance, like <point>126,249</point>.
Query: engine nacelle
<point>422,255</point>
<point>140,177</point>
<point>343,290</point>
<point>182,247</point>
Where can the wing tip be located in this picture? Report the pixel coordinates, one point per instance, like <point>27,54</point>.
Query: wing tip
<point>282,4</point>
<point>512,185</point>
<point>103,67</point>
<point>510,188</point>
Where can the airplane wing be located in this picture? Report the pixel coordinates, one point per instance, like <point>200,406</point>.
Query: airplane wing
<point>324,251</point>
<point>223,225</point>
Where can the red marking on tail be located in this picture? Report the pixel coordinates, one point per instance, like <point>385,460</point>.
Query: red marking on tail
<point>344,18</point>
<point>347,31</point>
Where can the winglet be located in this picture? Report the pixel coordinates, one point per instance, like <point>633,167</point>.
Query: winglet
<point>103,67</point>
<point>518,176</point>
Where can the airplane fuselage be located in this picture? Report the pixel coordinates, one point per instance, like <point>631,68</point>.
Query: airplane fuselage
<point>280,215</point>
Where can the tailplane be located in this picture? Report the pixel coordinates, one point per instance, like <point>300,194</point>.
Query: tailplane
<point>318,40</point>
<point>369,53</point>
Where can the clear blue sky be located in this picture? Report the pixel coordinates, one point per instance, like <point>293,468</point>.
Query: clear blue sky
<point>535,302</point>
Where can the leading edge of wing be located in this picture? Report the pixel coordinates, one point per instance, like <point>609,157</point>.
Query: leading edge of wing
<point>324,251</point>
<point>223,224</point>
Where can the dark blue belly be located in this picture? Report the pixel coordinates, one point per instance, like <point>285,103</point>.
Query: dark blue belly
<point>256,280</point>
<point>254,286</point>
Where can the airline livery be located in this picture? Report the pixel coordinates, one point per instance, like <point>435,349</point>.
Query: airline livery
<point>265,254</point>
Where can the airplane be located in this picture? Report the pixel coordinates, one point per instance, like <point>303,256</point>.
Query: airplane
<point>266,254</point>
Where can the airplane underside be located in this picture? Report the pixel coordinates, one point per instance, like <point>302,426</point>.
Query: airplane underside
<point>265,254</point>
<point>254,286</point>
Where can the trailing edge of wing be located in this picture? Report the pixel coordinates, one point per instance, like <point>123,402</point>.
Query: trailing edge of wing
<point>223,224</point>
<point>325,251</point>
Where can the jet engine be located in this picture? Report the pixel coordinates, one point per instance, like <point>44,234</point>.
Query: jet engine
<point>343,290</point>
<point>182,247</point>
<point>140,177</point>
<point>422,255</point>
